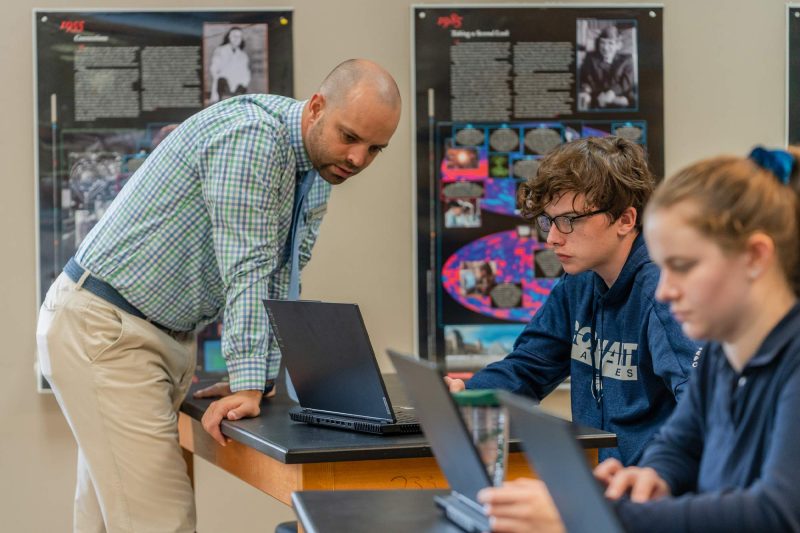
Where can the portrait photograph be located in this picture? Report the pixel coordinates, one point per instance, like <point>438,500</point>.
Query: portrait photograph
<point>607,62</point>
<point>234,60</point>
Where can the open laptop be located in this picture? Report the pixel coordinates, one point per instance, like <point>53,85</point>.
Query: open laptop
<point>448,437</point>
<point>550,446</point>
<point>326,349</point>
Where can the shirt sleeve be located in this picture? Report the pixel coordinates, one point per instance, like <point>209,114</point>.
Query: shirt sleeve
<point>217,62</point>
<point>540,359</point>
<point>770,504</point>
<point>244,166</point>
<point>672,353</point>
<point>676,449</point>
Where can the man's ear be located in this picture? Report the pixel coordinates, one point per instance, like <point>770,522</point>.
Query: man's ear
<point>626,223</point>
<point>316,106</point>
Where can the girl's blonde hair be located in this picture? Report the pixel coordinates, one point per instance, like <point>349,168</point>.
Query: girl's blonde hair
<point>735,198</point>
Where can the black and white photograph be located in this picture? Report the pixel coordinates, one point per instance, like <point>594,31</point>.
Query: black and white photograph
<point>93,184</point>
<point>546,264</point>
<point>542,139</point>
<point>524,168</point>
<point>607,61</point>
<point>506,295</point>
<point>633,131</point>
<point>234,59</point>
<point>462,189</point>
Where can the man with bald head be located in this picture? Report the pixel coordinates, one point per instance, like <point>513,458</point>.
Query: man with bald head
<point>222,215</point>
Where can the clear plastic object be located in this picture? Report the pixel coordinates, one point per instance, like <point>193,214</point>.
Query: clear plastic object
<point>487,422</point>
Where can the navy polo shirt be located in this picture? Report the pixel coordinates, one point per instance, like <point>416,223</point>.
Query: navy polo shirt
<point>729,451</point>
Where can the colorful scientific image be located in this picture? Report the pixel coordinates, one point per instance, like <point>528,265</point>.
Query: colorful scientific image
<point>472,275</point>
<point>498,166</point>
<point>458,158</point>
<point>503,274</point>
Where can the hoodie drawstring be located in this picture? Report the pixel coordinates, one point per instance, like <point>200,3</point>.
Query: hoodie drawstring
<point>597,377</point>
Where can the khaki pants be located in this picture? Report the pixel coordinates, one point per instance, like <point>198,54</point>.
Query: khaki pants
<point>119,381</point>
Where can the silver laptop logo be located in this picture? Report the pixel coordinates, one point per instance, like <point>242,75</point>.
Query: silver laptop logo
<point>386,405</point>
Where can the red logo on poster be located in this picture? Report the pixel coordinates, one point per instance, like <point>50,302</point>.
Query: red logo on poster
<point>454,21</point>
<point>73,26</point>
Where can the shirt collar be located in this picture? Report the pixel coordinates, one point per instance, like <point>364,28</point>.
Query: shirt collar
<point>777,339</point>
<point>294,120</point>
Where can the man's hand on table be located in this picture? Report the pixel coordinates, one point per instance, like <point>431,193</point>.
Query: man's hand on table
<point>242,404</point>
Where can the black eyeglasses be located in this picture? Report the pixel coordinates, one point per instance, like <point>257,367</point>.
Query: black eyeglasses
<point>563,222</point>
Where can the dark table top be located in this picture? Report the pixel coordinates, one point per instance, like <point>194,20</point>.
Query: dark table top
<point>276,435</point>
<point>356,511</point>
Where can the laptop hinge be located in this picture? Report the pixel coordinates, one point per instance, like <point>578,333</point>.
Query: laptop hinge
<point>465,513</point>
<point>348,415</point>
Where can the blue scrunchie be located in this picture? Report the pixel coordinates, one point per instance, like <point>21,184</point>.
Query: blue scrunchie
<point>779,162</point>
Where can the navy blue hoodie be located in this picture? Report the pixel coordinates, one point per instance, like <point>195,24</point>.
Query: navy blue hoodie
<point>584,326</point>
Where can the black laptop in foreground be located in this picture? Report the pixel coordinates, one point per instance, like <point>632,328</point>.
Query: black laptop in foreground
<point>450,441</point>
<point>549,443</point>
<point>550,446</point>
<point>327,351</point>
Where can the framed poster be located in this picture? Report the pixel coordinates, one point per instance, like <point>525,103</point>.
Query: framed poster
<point>496,88</point>
<point>793,74</point>
<point>110,85</point>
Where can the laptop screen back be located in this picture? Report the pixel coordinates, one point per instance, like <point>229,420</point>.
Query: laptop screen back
<point>442,424</point>
<point>560,462</point>
<point>327,350</point>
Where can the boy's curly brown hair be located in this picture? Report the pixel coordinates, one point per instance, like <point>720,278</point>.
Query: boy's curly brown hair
<point>611,172</point>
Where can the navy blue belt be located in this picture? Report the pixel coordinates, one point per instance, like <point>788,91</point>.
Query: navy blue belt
<point>108,293</point>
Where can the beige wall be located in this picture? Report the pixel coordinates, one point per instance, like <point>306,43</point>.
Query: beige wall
<point>724,91</point>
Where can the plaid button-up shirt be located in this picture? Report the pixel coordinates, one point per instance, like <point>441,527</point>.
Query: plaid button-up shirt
<point>203,226</point>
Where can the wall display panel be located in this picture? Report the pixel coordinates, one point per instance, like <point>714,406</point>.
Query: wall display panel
<point>793,75</point>
<point>495,89</point>
<point>110,85</point>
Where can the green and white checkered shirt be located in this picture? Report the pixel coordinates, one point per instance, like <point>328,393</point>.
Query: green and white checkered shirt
<point>203,226</point>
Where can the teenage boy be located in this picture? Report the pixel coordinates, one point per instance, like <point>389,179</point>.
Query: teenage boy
<point>601,325</point>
